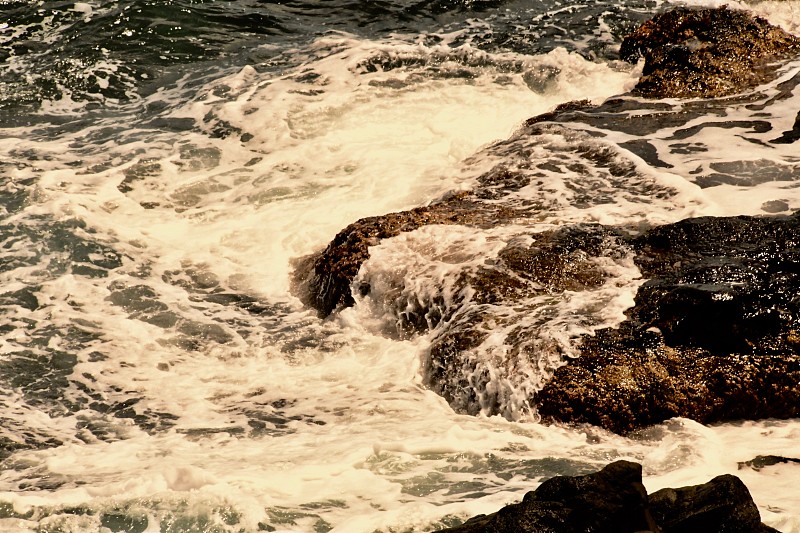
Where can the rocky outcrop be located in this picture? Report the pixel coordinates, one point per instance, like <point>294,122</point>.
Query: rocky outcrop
<point>614,500</point>
<point>323,280</point>
<point>706,52</point>
<point>714,331</point>
<point>713,334</point>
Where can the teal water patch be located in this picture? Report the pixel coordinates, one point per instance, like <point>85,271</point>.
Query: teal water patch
<point>60,247</point>
<point>135,516</point>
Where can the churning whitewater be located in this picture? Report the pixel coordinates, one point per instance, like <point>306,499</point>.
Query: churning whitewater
<point>163,167</point>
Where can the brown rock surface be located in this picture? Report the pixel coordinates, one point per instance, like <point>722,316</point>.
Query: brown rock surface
<point>323,280</point>
<point>706,52</point>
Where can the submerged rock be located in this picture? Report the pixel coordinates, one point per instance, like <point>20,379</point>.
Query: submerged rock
<point>614,500</point>
<point>763,461</point>
<point>706,52</point>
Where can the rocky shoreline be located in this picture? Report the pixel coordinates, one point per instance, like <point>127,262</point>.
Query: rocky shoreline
<point>713,333</point>
<point>714,330</point>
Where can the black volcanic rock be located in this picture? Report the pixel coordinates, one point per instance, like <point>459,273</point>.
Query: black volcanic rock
<point>614,500</point>
<point>723,504</point>
<point>706,52</point>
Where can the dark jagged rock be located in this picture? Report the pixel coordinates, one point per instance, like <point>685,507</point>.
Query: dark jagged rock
<point>706,52</point>
<point>713,335</point>
<point>560,110</point>
<point>725,285</point>
<point>324,279</point>
<point>763,461</point>
<point>614,500</point>
<point>723,504</point>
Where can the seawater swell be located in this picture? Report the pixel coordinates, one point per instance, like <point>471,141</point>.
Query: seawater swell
<point>104,52</point>
<point>164,161</point>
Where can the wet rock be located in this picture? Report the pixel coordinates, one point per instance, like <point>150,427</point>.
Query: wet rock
<point>626,379</point>
<point>560,111</point>
<point>483,356</point>
<point>561,259</point>
<point>722,504</point>
<point>614,500</point>
<point>611,500</point>
<point>726,285</point>
<point>713,334</point>
<point>323,280</point>
<point>706,52</point>
<point>763,461</point>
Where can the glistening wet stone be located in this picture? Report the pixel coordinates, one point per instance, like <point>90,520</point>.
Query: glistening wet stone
<point>713,332</point>
<point>706,52</point>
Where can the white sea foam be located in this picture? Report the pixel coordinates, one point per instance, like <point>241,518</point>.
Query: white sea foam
<point>279,417</point>
<point>785,14</point>
<point>419,274</point>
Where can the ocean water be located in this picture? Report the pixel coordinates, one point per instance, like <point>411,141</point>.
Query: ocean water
<point>164,163</point>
